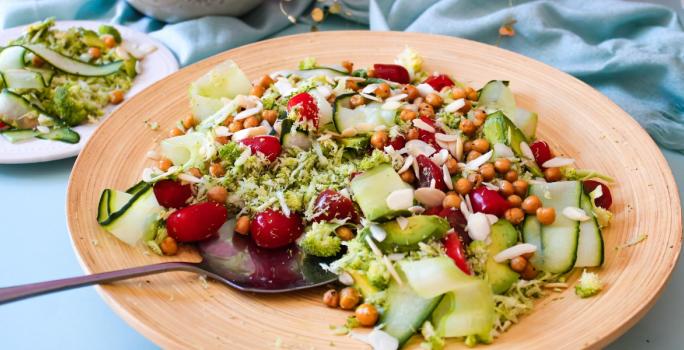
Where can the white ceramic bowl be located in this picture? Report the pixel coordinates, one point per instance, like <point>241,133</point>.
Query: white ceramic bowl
<point>180,10</point>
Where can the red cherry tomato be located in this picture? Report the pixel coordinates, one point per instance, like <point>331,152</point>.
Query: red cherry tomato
<point>606,199</point>
<point>429,171</point>
<point>541,151</point>
<point>488,201</point>
<point>273,229</point>
<point>354,174</point>
<point>2,125</point>
<point>265,144</point>
<point>331,205</point>
<point>457,221</point>
<point>392,72</point>
<point>398,142</point>
<point>196,222</point>
<point>454,249</point>
<point>426,136</point>
<point>433,211</point>
<point>438,82</point>
<point>172,194</point>
<point>306,105</point>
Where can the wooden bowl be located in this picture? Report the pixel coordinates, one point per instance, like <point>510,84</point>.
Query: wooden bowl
<point>177,310</point>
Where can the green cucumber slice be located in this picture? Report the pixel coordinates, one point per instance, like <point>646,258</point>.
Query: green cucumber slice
<point>497,95</point>
<point>467,310</point>
<point>16,111</point>
<point>12,57</point>
<point>72,66</point>
<point>15,136</point>
<point>363,118</point>
<point>532,234</point>
<point>142,185</point>
<point>292,138</point>
<point>130,220</point>
<point>22,79</point>
<point>499,129</point>
<point>559,239</point>
<point>319,71</point>
<point>103,205</point>
<point>46,73</point>
<point>370,191</point>
<point>63,134</point>
<point>526,121</point>
<point>590,242</point>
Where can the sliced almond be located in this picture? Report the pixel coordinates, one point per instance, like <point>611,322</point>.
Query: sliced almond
<point>418,147</point>
<point>400,199</point>
<point>446,137</point>
<point>424,89</point>
<point>503,151</point>
<point>557,162</point>
<point>455,106</point>
<point>478,226</point>
<point>447,177</point>
<point>526,150</point>
<point>249,132</point>
<point>576,214</point>
<point>402,222</point>
<point>420,124</point>
<point>475,163</point>
<point>429,197</point>
<point>515,251</point>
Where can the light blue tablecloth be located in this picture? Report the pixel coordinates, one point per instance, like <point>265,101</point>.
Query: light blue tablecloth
<point>610,56</point>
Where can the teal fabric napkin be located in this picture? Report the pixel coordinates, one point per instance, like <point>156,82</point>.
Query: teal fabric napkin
<point>632,52</point>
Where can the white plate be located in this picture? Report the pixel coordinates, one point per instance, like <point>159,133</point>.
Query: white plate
<point>155,66</point>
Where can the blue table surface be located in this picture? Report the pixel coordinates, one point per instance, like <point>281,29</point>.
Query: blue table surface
<point>36,247</point>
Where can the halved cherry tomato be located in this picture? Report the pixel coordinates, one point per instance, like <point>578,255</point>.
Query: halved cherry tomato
<point>266,144</point>
<point>454,250</point>
<point>2,125</point>
<point>306,106</point>
<point>172,194</point>
<point>274,229</point>
<point>429,171</point>
<point>433,211</point>
<point>426,136</point>
<point>541,151</point>
<point>196,222</point>
<point>398,142</point>
<point>354,174</point>
<point>331,205</point>
<point>392,72</point>
<point>438,82</point>
<point>606,199</point>
<point>457,221</point>
<point>488,201</point>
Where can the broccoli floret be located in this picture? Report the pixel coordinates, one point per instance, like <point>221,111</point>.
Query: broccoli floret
<point>320,240</point>
<point>307,63</point>
<point>294,200</point>
<point>358,255</point>
<point>451,120</point>
<point>588,285</point>
<point>376,158</point>
<point>68,107</point>
<point>230,152</point>
<point>377,274</point>
<point>477,256</point>
<point>269,99</point>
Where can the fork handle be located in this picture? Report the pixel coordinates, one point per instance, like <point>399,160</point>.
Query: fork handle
<point>15,293</point>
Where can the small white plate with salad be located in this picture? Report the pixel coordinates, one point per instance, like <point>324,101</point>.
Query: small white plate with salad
<point>59,79</point>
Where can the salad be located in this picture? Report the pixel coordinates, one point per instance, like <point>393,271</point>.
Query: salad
<point>53,79</point>
<point>443,213</point>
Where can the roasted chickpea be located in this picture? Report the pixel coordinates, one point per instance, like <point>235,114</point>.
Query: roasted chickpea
<point>116,97</point>
<point>188,122</point>
<point>479,117</point>
<point>487,171</point>
<point>518,264</point>
<point>383,90</point>
<point>408,176</point>
<point>463,186</point>
<point>195,172</point>
<point>451,200</point>
<point>433,99</point>
<point>426,109</point>
<point>514,201</point>
<point>236,125</point>
<point>250,122</point>
<point>511,176</point>
<point>367,315</point>
<point>471,93</point>
<point>379,139</point>
<point>411,92</point>
<point>36,61</point>
<point>546,215</point>
<point>370,72</point>
<point>476,179</point>
<point>242,225</point>
<point>457,93</point>
<point>467,146</point>
<point>331,298</point>
<point>164,164</point>
<point>351,84</point>
<point>520,187</point>
<point>217,194</point>
<point>94,52</point>
<point>265,81</point>
<point>529,273</point>
<point>481,145</point>
<point>452,165</point>
<point>175,132</point>
<point>270,116</point>
<point>412,134</point>
<point>257,90</point>
<point>216,170</point>
<point>506,188</point>
<point>408,115</point>
<point>531,204</point>
<point>348,65</point>
<point>466,107</point>
<point>553,174</point>
<point>472,155</point>
<point>227,121</point>
<point>514,215</point>
<point>109,41</point>
<point>345,233</point>
<point>467,126</point>
<point>349,298</point>
<point>357,100</point>
<point>502,165</point>
<point>169,246</point>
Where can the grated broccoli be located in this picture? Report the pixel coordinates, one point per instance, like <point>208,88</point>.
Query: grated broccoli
<point>68,106</point>
<point>230,152</point>
<point>320,240</point>
<point>588,285</point>
<point>451,120</point>
<point>377,274</point>
<point>358,256</point>
<point>376,158</point>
